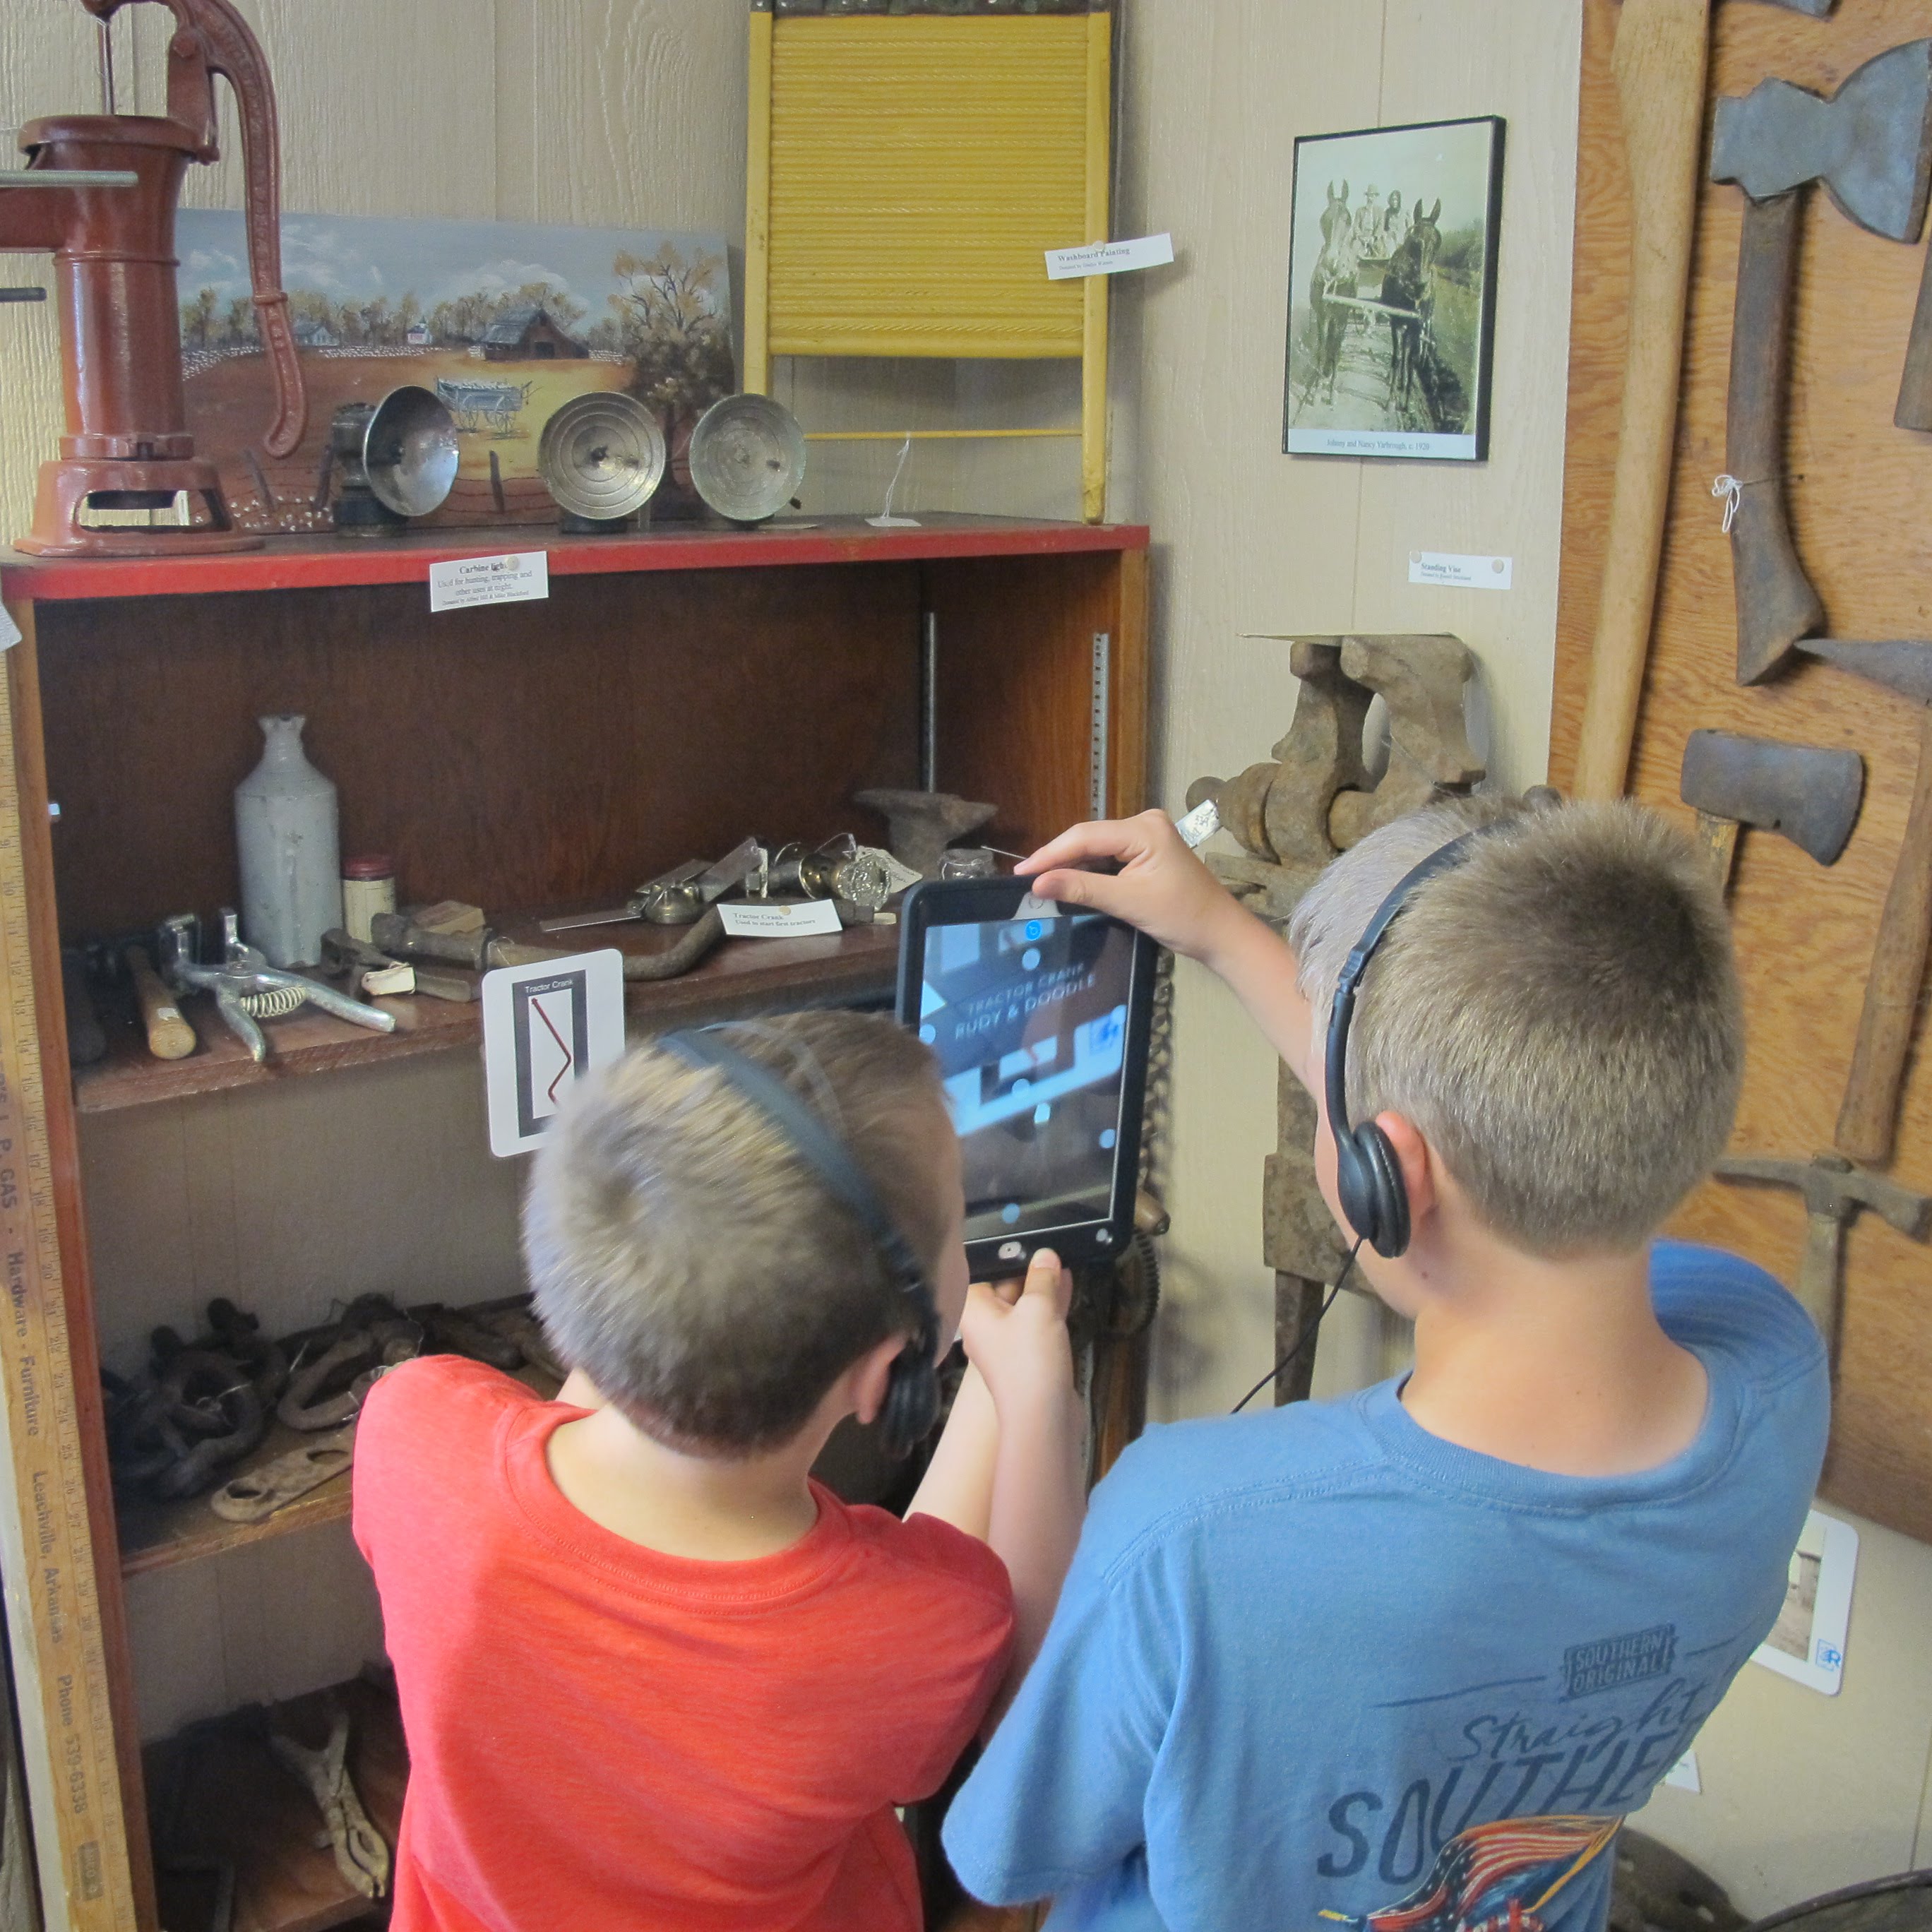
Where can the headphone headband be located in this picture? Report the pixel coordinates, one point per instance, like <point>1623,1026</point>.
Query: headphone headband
<point>1368,1177</point>
<point>811,1141</point>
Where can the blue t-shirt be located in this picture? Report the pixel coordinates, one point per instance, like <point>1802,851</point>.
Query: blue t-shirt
<point>1318,1667</point>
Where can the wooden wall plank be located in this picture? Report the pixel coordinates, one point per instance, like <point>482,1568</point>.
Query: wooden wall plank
<point>1858,488</point>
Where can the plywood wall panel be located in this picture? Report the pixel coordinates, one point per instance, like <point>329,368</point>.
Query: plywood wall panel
<point>1858,487</point>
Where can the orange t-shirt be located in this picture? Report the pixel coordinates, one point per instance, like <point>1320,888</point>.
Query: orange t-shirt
<point>608,1739</point>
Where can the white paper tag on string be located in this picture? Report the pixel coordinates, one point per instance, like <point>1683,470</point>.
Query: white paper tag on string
<point>545,1027</point>
<point>10,631</point>
<point>1108,258</point>
<point>757,920</point>
<point>464,582</point>
<point>898,876</point>
<point>1463,573</point>
<point>1683,1774</point>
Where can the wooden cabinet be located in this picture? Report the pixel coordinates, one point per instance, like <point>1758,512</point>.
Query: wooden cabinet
<point>675,692</point>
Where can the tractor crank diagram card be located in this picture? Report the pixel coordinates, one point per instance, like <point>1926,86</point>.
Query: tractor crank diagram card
<point>545,1027</point>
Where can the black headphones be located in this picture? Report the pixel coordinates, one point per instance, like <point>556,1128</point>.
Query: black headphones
<point>1368,1177</point>
<point>912,1395</point>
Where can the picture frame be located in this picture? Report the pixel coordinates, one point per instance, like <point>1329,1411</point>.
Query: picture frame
<point>1807,1642</point>
<point>1392,291</point>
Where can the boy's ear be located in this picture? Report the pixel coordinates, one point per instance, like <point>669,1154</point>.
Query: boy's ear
<point>871,1374</point>
<point>1417,1163</point>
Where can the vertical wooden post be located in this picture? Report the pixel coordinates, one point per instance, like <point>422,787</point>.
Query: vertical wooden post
<point>1094,354</point>
<point>758,204</point>
<point>65,1654</point>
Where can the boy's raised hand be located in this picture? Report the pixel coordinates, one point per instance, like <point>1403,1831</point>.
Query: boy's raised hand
<point>1161,886</point>
<point>1015,1333</point>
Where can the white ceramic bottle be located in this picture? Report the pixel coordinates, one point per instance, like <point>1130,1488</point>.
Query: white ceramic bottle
<point>285,830</point>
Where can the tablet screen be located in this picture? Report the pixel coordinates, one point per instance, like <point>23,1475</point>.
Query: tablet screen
<point>1028,1018</point>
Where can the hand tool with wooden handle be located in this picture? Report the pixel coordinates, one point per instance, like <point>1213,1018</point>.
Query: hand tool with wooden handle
<point>1834,1192</point>
<point>1870,144</point>
<point>170,1036</point>
<point>1867,1121</point>
<point>1661,56</point>
<point>1808,794</point>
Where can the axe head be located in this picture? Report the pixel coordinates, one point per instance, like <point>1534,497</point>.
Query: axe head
<point>1870,143</point>
<point>1817,9</point>
<point>1899,665</point>
<point>1809,794</point>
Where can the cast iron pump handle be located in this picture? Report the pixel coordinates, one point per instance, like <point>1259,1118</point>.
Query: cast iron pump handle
<point>211,38</point>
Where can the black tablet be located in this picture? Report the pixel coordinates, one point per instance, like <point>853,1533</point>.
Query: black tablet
<point>1039,1013</point>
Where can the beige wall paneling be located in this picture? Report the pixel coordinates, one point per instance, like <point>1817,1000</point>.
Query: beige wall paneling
<point>1804,1793</point>
<point>1513,504</point>
<point>1249,541</point>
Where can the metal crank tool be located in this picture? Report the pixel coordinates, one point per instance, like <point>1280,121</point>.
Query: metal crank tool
<point>47,1555</point>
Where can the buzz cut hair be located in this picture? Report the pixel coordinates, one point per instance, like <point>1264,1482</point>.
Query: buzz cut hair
<point>687,1258</point>
<point>1558,1013</point>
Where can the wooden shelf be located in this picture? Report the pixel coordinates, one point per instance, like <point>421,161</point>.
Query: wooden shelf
<point>218,1794</point>
<point>743,976</point>
<point>158,1535</point>
<point>303,563</point>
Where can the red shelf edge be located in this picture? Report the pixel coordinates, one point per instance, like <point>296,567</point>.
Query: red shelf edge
<point>303,563</point>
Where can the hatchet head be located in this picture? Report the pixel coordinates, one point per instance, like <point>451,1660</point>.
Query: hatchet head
<point>1870,143</point>
<point>1817,9</point>
<point>1900,665</point>
<point>1809,794</point>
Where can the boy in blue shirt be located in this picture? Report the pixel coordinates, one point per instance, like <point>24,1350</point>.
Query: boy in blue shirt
<point>1402,1662</point>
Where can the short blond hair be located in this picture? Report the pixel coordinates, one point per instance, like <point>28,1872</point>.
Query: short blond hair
<point>1559,1015</point>
<point>694,1267</point>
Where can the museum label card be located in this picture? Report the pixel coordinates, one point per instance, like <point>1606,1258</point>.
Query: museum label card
<point>1806,1644</point>
<point>522,578</point>
<point>1108,258</point>
<point>1463,573</point>
<point>796,920</point>
<point>545,1027</point>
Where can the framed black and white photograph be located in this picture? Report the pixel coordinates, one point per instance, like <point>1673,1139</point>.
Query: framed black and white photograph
<point>1392,291</point>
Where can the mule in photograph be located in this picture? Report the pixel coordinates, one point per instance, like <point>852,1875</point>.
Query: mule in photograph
<point>1392,291</point>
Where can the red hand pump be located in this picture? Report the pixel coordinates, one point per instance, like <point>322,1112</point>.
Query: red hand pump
<point>127,445</point>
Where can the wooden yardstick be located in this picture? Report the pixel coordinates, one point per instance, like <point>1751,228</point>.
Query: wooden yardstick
<point>46,1550</point>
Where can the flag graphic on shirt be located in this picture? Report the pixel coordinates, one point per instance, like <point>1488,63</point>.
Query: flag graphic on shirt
<point>1493,1878</point>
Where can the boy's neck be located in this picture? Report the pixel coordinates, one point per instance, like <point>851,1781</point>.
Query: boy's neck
<point>1557,1366</point>
<point>706,1507</point>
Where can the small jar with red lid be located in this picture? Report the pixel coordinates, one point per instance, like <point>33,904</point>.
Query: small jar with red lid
<point>368,887</point>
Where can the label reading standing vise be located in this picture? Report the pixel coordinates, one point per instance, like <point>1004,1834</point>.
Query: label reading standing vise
<point>464,581</point>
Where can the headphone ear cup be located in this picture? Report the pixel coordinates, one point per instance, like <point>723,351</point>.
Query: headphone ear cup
<point>911,1406</point>
<point>1355,1188</point>
<point>1383,1172</point>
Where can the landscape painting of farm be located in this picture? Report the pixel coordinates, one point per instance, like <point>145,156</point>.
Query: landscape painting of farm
<point>504,321</point>
<point>1392,282</point>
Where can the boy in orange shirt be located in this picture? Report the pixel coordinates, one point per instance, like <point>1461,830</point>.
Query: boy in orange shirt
<point>651,1673</point>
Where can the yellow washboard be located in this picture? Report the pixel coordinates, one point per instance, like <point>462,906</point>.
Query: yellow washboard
<point>908,172</point>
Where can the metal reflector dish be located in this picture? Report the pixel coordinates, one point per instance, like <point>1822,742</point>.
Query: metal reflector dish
<point>602,455</point>
<point>747,457</point>
<point>410,452</point>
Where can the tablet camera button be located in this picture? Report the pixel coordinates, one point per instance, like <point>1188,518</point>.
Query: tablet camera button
<point>1108,1137</point>
<point>1010,1212</point>
<point>1030,958</point>
<point>1033,928</point>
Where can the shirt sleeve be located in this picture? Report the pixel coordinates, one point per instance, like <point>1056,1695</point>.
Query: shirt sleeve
<point>1058,1797</point>
<point>963,1652</point>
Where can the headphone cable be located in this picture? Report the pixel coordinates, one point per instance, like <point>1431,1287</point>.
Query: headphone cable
<point>1306,1336</point>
